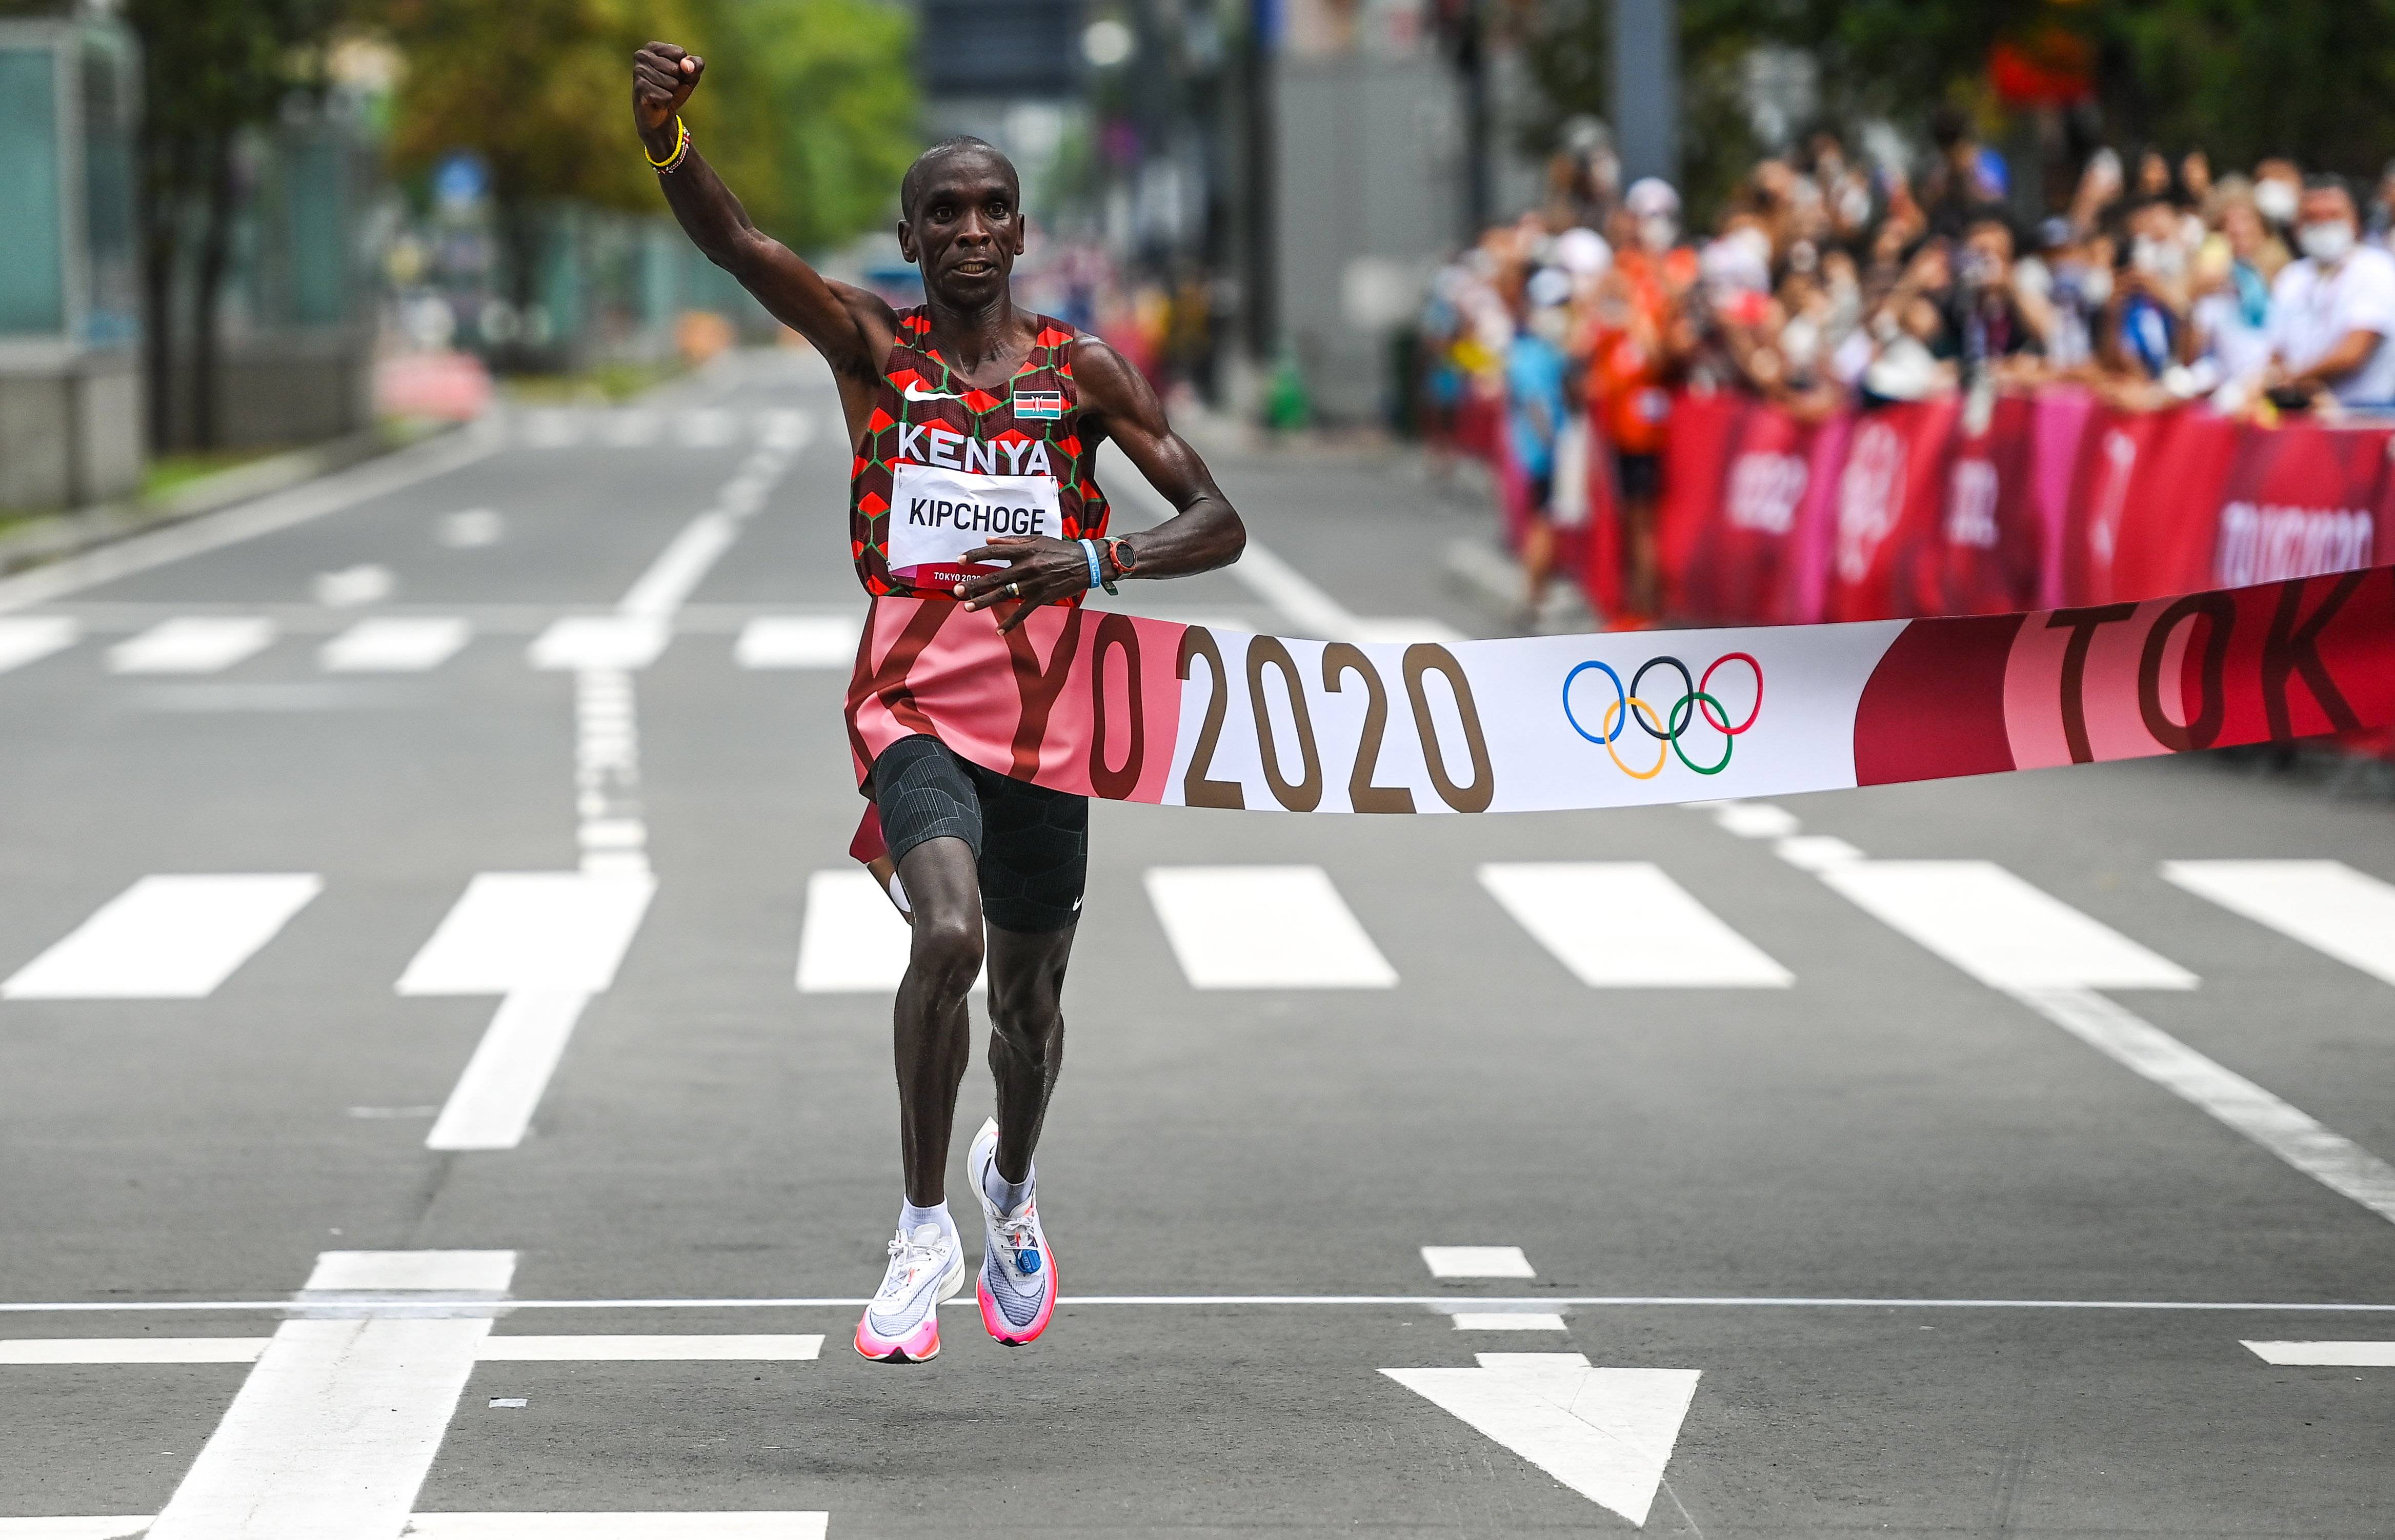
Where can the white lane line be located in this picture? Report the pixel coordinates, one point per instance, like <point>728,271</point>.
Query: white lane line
<point>758,1525</point>
<point>1508,1320</point>
<point>308,500</point>
<point>599,641</point>
<point>192,644</point>
<point>394,644</point>
<point>628,1348</point>
<point>1606,1433</point>
<point>470,528</point>
<point>131,1350</point>
<point>550,932</point>
<point>630,427</point>
<point>798,641</point>
<point>1264,928</point>
<point>795,1349</point>
<point>850,939</point>
<point>609,827</point>
<point>1298,599</point>
<point>707,428</point>
<point>334,1431</point>
<point>364,583</point>
<point>1476,1262</point>
<point>26,639</point>
<point>1433,1303</point>
<point>2286,1131</point>
<point>492,1105</point>
<point>1627,925</point>
<point>2326,904</point>
<point>2327,1355</point>
<point>1755,820</point>
<point>2000,930</point>
<point>166,938</point>
<point>545,942</point>
<point>681,566</point>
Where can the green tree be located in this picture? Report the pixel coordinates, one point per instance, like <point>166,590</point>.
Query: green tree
<point>809,106</point>
<point>817,110</point>
<point>2314,79</point>
<point>211,70</point>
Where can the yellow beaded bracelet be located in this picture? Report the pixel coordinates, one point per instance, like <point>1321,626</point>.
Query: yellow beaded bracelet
<point>682,149</point>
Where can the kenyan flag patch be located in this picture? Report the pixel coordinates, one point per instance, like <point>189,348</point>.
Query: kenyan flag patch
<point>1039,405</point>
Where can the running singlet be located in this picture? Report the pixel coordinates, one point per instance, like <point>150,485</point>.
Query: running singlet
<point>945,466</point>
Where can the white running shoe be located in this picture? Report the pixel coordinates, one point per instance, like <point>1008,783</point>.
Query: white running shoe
<point>1017,1284</point>
<point>902,1322</point>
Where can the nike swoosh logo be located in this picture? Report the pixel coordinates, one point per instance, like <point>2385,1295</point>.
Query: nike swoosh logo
<point>917,393</point>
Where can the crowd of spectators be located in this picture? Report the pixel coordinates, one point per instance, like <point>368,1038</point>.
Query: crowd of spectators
<point>1827,282</point>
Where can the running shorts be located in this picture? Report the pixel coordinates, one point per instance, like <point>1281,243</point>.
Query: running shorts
<point>1032,845</point>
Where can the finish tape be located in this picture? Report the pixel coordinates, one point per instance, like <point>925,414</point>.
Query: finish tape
<point>1139,710</point>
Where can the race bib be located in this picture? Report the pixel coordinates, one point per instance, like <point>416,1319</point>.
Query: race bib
<point>936,515</point>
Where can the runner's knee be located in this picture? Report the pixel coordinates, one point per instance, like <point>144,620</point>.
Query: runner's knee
<point>946,950</point>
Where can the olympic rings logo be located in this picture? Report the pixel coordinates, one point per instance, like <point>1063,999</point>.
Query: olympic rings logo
<point>1669,727</point>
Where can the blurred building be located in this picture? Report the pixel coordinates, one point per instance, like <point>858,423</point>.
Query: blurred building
<point>71,417</point>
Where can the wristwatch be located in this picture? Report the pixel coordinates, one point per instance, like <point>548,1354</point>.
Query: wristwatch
<point>1126,560</point>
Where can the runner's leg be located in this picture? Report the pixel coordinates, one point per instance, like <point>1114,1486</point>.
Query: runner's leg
<point>932,1036</point>
<point>1027,1037</point>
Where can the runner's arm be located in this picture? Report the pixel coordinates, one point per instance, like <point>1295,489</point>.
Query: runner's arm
<point>851,327</point>
<point>1203,535</point>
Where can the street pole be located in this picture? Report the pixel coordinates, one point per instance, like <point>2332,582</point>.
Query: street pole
<point>1646,87</point>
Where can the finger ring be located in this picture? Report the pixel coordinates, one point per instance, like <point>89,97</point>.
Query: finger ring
<point>1014,590</point>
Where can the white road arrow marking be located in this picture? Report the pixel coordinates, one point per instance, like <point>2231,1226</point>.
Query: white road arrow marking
<point>1605,1433</point>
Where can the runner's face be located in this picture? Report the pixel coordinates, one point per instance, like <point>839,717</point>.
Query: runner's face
<point>967,230</point>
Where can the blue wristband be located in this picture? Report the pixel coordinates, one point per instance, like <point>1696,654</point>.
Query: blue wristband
<point>1089,549</point>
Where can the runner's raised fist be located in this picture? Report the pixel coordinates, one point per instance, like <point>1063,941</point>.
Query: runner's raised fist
<point>663,78</point>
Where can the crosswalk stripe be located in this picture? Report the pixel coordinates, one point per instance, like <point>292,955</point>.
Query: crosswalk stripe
<point>632,427</point>
<point>2054,959</point>
<point>166,938</point>
<point>2327,1355</point>
<point>850,939</point>
<point>1476,1262</point>
<point>1626,924</point>
<point>550,932</point>
<point>25,639</point>
<point>1264,928</point>
<point>2000,930</point>
<point>2326,904</point>
<point>394,644</point>
<point>334,1431</point>
<point>192,644</point>
<point>580,642</point>
<point>798,641</point>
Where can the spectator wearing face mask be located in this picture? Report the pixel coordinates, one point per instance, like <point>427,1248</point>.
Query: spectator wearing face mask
<point>2278,192</point>
<point>2232,314</point>
<point>2333,310</point>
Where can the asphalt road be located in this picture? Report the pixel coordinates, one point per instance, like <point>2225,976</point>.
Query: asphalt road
<point>1824,1203</point>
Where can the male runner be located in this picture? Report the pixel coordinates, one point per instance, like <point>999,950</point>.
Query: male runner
<point>940,400</point>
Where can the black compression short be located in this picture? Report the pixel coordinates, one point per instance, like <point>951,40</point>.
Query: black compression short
<point>1032,844</point>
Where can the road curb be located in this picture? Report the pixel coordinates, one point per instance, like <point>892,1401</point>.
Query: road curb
<point>67,534</point>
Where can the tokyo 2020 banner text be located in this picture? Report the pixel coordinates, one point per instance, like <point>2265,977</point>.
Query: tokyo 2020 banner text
<point>1141,710</point>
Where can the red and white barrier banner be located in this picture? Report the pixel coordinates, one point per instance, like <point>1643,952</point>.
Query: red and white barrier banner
<point>1142,710</point>
<point>1954,507</point>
